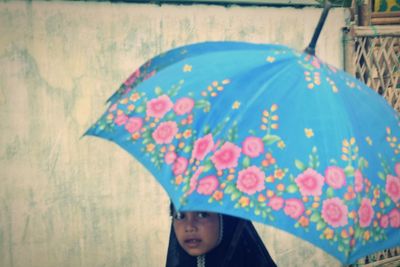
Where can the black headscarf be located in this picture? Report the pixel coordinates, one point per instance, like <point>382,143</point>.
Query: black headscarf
<point>244,249</point>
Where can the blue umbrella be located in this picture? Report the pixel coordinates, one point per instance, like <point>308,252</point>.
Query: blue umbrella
<point>269,134</point>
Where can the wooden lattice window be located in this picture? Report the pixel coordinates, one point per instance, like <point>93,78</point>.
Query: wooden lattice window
<point>375,60</point>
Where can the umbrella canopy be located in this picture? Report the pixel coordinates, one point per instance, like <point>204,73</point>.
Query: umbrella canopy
<point>269,134</point>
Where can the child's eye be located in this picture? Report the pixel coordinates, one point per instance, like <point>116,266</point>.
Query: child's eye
<point>202,214</point>
<point>179,216</point>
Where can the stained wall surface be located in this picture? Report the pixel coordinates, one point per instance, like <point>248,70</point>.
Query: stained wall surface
<point>72,201</point>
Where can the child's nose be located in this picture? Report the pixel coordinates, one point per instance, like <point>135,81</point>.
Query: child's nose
<point>190,224</point>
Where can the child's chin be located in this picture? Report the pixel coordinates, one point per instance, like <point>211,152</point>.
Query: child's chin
<point>195,253</point>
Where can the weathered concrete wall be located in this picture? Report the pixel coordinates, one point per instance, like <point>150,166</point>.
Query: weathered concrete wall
<point>67,201</point>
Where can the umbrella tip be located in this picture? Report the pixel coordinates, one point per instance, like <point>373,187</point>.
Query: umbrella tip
<point>311,47</point>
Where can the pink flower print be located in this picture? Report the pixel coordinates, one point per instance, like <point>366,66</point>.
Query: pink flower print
<point>132,78</point>
<point>134,124</point>
<point>358,181</point>
<point>183,106</point>
<point>180,166</point>
<point>334,212</point>
<point>226,157</point>
<point>397,169</point>
<point>158,107</point>
<point>384,221</point>
<point>315,63</point>
<point>165,132</point>
<point>294,208</point>
<point>250,180</point>
<point>113,108</point>
<point>310,183</point>
<point>149,75</point>
<point>202,147</point>
<point>394,218</point>
<point>335,177</point>
<point>393,187</point>
<point>208,185</point>
<point>121,119</point>
<point>276,203</point>
<point>365,212</point>
<point>170,157</point>
<point>253,146</point>
<point>193,180</point>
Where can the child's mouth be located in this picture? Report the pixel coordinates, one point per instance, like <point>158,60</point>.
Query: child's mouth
<point>192,242</point>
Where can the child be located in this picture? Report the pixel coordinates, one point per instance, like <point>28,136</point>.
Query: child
<point>214,240</point>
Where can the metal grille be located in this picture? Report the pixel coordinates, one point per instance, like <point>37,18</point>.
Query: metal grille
<point>377,64</point>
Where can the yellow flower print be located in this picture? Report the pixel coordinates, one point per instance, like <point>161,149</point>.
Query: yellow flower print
<point>270,59</point>
<point>124,101</point>
<point>333,85</point>
<point>150,147</point>
<point>110,116</point>
<point>280,187</point>
<point>269,120</point>
<point>350,84</point>
<point>369,140</point>
<point>304,221</point>
<point>392,140</point>
<point>261,198</point>
<point>236,105</point>
<point>135,97</point>
<point>244,201</point>
<point>344,234</point>
<point>309,132</point>
<point>281,144</point>
<point>279,173</point>
<point>274,126</point>
<point>136,136</point>
<point>349,149</point>
<point>317,79</point>
<point>131,107</point>
<point>187,133</point>
<point>270,193</point>
<point>274,107</point>
<point>187,68</point>
<point>214,88</point>
<point>328,233</point>
<point>367,235</point>
<point>270,179</point>
<point>178,179</point>
<point>218,195</point>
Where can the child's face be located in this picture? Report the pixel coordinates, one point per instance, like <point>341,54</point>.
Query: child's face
<point>197,232</point>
